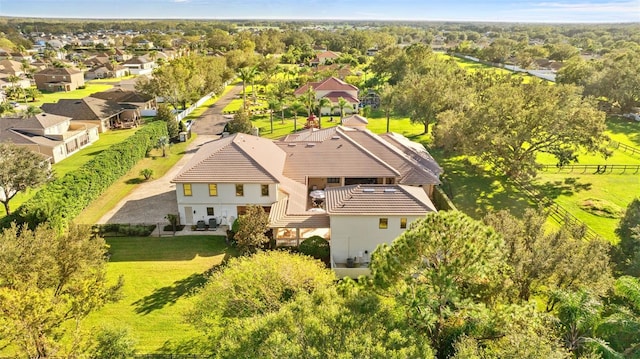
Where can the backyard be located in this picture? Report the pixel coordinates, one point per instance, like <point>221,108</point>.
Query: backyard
<point>53,97</point>
<point>160,276</point>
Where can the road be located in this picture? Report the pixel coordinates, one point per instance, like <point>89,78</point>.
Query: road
<point>151,201</point>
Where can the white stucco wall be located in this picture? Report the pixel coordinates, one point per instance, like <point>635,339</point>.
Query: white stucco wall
<point>224,204</point>
<point>351,235</point>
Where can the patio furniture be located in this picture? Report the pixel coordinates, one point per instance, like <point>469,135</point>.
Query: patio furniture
<point>201,226</point>
<point>213,223</point>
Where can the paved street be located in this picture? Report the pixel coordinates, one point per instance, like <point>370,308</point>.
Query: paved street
<point>153,200</point>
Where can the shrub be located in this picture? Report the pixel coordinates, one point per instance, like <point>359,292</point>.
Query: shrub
<point>147,173</point>
<point>316,247</point>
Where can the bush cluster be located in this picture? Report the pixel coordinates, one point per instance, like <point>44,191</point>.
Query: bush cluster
<point>61,200</point>
<point>118,229</point>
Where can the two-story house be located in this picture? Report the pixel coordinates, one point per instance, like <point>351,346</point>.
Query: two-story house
<point>55,79</point>
<point>56,137</point>
<point>347,184</point>
<point>333,89</point>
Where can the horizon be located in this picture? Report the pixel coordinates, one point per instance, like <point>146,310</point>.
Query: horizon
<point>465,11</point>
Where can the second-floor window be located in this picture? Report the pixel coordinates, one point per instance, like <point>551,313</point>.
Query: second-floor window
<point>239,190</point>
<point>383,223</point>
<point>264,189</point>
<point>213,189</point>
<point>403,223</point>
<point>186,189</point>
<point>333,180</point>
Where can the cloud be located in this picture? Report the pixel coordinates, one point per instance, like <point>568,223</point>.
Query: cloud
<point>180,1</point>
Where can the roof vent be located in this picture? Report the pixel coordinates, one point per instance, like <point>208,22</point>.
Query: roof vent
<point>291,145</point>
<point>390,190</point>
<point>310,144</point>
<point>335,137</point>
<point>368,190</point>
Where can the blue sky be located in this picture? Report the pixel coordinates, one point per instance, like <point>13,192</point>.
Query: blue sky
<point>570,11</point>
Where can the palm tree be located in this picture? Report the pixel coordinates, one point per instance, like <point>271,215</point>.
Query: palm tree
<point>274,105</point>
<point>13,79</point>
<point>247,74</point>
<point>296,108</point>
<point>6,107</point>
<point>162,143</point>
<point>342,103</point>
<point>31,111</point>
<point>386,101</point>
<point>323,102</point>
<point>309,100</point>
<point>33,92</point>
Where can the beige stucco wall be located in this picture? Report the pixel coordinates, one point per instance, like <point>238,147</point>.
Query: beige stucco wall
<point>225,203</point>
<point>352,235</point>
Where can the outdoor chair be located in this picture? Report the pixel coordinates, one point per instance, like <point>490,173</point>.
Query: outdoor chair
<point>213,224</point>
<point>201,226</point>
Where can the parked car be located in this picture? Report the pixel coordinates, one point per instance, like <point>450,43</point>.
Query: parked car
<point>632,116</point>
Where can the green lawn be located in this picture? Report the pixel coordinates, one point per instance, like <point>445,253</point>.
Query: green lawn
<point>53,97</point>
<point>160,274</point>
<point>75,161</point>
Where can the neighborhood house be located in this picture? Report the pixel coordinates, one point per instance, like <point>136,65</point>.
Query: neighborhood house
<point>352,187</point>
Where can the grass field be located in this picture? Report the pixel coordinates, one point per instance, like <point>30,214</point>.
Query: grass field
<point>53,97</point>
<point>74,162</point>
<point>160,274</point>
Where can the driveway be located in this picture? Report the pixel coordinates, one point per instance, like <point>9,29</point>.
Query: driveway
<point>152,200</point>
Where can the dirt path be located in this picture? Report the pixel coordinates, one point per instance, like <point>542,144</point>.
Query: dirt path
<point>151,201</point>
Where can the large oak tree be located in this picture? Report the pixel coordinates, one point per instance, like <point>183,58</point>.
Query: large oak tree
<point>20,168</point>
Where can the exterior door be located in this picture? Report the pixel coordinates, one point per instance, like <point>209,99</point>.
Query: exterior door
<point>188,215</point>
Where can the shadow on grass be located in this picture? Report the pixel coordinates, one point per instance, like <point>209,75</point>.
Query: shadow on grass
<point>621,125</point>
<point>477,191</point>
<point>567,187</point>
<point>135,180</point>
<point>169,295</point>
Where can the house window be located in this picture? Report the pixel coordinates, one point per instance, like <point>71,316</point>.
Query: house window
<point>186,189</point>
<point>213,189</point>
<point>209,211</point>
<point>333,180</point>
<point>239,190</point>
<point>403,223</point>
<point>264,189</point>
<point>383,223</point>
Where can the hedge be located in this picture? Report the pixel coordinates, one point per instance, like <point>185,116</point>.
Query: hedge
<point>61,200</point>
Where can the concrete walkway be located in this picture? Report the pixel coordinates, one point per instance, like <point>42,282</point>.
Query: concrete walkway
<point>151,201</point>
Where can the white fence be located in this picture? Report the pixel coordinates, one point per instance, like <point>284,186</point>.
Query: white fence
<point>191,108</point>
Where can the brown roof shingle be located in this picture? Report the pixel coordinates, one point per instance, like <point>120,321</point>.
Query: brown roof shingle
<point>378,199</point>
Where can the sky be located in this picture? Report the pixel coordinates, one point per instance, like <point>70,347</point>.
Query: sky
<point>559,11</point>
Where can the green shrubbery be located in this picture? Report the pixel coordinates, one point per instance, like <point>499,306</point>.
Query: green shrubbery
<point>61,200</point>
<point>316,247</point>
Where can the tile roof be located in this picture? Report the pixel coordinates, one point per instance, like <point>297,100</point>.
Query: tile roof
<point>354,120</point>
<point>88,108</point>
<point>413,150</point>
<point>237,158</point>
<point>337,156</point>
<point>334,96</point>
<point>329,84</point>
<point>378,200</point>
<point>362,153</point>
<point>280,216</point>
